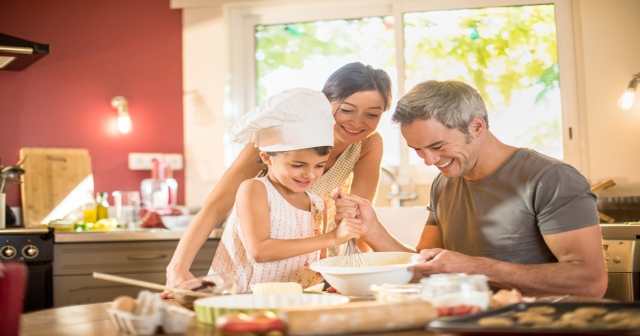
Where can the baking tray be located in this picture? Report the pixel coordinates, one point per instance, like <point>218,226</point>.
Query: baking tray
<point>468,325</point>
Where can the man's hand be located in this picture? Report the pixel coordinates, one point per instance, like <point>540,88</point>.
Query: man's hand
<point>351,206</point>
<point>438,261</point>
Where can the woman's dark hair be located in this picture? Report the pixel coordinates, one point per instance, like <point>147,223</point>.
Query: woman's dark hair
<point>357,77</point>
<point>320,150</point>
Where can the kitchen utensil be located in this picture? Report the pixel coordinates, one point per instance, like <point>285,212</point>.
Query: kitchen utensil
<point>352,256</point>
<point>146,284</point>
<point>596,188</point>
<point>11,172</point>
<point>385,267</point>
<point>53,175</point>
<point>9,175</point>
<point>207,310</point>
<point>214,284</point>
<point>357,317</point>
<point>5,182</point>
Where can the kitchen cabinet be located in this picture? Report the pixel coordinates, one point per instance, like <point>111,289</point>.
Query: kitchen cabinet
<point>74,264</point>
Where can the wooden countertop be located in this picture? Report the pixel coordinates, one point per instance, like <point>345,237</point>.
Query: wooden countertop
<point>93,319</point>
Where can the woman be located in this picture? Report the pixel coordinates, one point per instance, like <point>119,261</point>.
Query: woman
<point>359,95</point>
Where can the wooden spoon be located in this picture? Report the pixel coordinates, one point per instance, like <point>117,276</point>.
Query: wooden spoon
<point>146,284</point>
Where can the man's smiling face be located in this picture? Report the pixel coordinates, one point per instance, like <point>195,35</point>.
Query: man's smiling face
<point>453,152</point>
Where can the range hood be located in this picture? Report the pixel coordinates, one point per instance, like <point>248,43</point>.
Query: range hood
<point>17,54</point>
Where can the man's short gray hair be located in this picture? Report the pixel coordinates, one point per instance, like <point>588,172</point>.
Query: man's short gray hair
<point>453,103</point>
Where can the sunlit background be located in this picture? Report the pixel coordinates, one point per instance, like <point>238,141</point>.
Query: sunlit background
<point>508,53</point>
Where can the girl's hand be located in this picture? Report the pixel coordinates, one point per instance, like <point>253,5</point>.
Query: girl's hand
<point>347,228</point>
<point>350,206</point>
<point>173,280</point>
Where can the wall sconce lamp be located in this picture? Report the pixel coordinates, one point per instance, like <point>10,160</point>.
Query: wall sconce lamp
<point>121,104</point>
<point>630,93</point>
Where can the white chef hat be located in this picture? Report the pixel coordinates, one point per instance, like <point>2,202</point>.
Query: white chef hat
<point>294,119</point>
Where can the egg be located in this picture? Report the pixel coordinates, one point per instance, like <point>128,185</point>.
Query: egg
<point>124,303</point>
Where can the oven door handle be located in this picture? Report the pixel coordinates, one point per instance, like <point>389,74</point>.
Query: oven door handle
<point>147,257</point>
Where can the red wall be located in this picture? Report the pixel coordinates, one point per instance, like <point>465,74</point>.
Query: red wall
<point>99,49</point>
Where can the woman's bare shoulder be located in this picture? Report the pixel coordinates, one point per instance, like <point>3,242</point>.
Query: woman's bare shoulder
<point>371,143</point>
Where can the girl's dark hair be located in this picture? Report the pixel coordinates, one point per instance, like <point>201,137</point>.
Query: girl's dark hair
<point>320,150</point>
<point>357,77</point>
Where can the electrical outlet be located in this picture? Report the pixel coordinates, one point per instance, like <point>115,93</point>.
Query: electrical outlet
<point>143,161</point>
<point>174,160</point>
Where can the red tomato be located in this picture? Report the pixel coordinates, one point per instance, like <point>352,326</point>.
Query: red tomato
<point>256,322</point>
<point>445,311</point>
<point>225,319</point>
<point>458,310</point>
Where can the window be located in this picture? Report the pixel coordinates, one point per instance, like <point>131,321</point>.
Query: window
<point>507,49</point>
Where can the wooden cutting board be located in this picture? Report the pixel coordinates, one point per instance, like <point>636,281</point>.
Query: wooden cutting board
<point>55,183</point>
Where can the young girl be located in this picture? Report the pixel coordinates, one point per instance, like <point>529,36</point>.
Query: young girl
<point>275,230</point>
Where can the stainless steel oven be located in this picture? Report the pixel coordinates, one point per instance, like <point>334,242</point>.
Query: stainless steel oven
<point>33,247</point>
<point>621,247</point>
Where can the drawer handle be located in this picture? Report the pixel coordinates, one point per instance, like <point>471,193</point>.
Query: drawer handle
<point>147,257</point>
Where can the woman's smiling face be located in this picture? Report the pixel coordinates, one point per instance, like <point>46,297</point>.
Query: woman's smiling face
<point>357,116</point>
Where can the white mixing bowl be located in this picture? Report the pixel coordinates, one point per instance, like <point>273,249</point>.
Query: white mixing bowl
<point>386,267</point>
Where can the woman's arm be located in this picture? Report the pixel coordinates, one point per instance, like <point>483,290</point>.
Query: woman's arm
<point>366,173</point>
<point>213,211</point>
<point>252,207</point>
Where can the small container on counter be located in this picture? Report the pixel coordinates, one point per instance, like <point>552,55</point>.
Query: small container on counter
<point>456,294</point>
<point>396,293</point>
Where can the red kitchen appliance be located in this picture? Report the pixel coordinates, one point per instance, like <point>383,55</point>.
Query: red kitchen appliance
<point>159,195</point>
<point>13,277</point>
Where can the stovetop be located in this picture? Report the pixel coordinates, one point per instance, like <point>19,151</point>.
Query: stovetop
<point>22,231</point>
<point>31,245</point>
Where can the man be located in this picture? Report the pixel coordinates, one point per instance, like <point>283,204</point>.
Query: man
<point>525,220</point>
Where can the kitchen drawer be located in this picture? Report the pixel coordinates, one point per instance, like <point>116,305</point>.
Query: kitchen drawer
<point>125,257</point>
<point>83,289</point>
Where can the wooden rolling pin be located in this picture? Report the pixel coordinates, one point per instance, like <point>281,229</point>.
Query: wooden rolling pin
<point>358,317</point>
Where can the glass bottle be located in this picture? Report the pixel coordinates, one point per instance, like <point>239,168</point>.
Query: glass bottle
<point>102,206</point>
<point>89,210</point>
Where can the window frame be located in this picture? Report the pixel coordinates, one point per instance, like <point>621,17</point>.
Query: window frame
<point>243,17</point>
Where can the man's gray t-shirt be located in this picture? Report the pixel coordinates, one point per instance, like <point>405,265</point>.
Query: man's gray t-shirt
<point>504,215</point>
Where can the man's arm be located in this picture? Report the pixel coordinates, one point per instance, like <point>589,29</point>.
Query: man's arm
<point>580,269</point>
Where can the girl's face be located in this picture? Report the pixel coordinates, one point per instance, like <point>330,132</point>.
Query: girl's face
<point>357,116</point>
<point>295,170</point>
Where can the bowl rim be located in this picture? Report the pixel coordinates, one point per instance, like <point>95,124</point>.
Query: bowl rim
<point>331,270</point>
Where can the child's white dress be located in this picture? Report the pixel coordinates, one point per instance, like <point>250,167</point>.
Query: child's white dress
<point>287,222</point>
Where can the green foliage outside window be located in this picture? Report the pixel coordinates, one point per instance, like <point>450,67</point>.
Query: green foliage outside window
<point>506,48</point>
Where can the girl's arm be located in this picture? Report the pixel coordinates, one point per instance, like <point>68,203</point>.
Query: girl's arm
<point>366,174</point>
<point>213,211</point>
<point>253,211</point>
<point>325,221</point>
